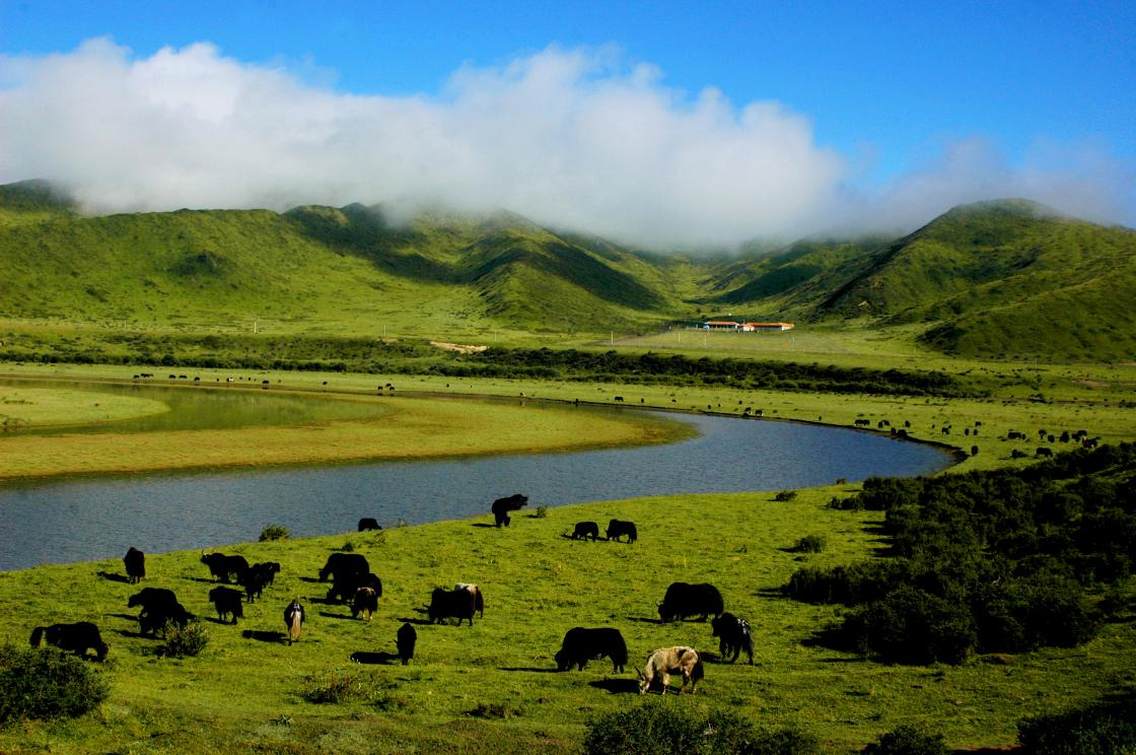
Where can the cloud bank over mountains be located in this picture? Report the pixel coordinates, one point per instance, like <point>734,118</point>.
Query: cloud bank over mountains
<point>575,139</point>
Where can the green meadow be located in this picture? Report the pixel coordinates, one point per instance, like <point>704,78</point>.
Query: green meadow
<point>489,688</point>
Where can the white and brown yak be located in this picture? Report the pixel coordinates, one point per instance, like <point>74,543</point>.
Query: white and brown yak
<point>663,662</point>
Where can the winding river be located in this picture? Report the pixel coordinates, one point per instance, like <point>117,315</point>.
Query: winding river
<point>83,519</point>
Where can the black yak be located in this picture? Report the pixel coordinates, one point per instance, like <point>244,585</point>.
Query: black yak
<point>343,563</point>
<point>674,660</point>
<point>478,599</point>
<point>368,523</point>
<point>257,577</point>
<point>294,620</point>
<point>223,567</point>
<point>406,639</point>
<point>734,636</point>
<point>227,601</point>
<point>684,600</point>
<point>502,506</point>
<point>135,563</point>
<point>364,602</point>
<point>585,530</point>
<point>617,528</point>
<point>344,588</point>
<point>77,638</point>
<point>445,604</point>
<point>581,645</point>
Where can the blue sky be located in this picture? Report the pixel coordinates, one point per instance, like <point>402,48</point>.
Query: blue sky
<point>890,87</point>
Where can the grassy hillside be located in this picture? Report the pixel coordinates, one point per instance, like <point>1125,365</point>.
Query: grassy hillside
<point>315,269</point>
<point>1005,279</point>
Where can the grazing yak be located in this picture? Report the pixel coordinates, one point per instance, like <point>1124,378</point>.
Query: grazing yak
<point>585,530</point>
<point>734,636</point>
<point>344,588</point>
<point>223,567</point>
<point>159,607</point>
<point>406,639</point>
<point>257,577</point>
<point>460,603</point>
<point>339,564</point>
<point>365,602</point>
<point>684,600</point>
<point>368,523</point>
<point>77,638</point>
<point>294,620</point>
<point>581,645</point>
<point>674,660</point>
<point>227,601</point>
<point>475,591</point>
<point>135,563</point>
<point>502,506</point>
<point>617,528</point>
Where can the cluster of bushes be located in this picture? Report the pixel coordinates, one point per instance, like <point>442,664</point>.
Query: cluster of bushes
<point>184,641</point>
<point>998,561</point>
<point>1099,729</point>
<point>654,728</point>
<point>46,684</point>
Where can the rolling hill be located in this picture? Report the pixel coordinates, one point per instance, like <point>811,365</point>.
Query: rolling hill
<point>1008,278</point>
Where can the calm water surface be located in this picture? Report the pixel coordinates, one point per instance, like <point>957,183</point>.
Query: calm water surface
<point>76,520</point>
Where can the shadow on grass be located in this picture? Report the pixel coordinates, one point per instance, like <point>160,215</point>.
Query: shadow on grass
<point>530,669</point>
<point>644,619</point>
<point>111,577</point>
<point>617,686</point>
<point>417,622</point>
<point>327,615</point>
<point>770,592</point>
<point>261,635</point>
<point>380,658</point>
<point>309,579</point>
<point>484,525</point>
<point>323,601</point>
<point>206,581</point>
<point>127,616</point>
<point>134,635</point>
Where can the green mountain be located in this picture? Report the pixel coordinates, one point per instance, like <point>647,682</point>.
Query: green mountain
<point>993,279</point>
<point>318,269</point>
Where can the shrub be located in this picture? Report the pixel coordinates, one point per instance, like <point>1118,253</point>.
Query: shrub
<point>274,532</point>
<point>907,740</point>
<point>541,512</point>
<point>46,684</point>
<point>785,496</point>
<point>810,544</point>
<point>337,686</point>
<point>912,626</point>
<point>1096,730</point>
<point>654,728</point>
<point>180,642</point>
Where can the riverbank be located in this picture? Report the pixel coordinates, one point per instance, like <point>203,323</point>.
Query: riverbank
<point>487,688</point>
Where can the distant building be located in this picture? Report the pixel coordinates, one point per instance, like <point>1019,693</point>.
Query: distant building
<point>749,327</point>
<point>721,325</point>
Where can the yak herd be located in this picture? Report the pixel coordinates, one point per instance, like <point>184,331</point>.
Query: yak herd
<point>353,583</point>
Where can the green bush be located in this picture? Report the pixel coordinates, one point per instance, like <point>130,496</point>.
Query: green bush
<point>275,532</point>
<point>46,684</point>
<point>785,496</point>
<point>654,728</point>
<point>182,641</point>
<point>811,544</point>
<point>907,740</point>
<point>1100,729</point>
<point>337,686</point>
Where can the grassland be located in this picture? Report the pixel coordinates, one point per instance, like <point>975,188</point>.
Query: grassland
<point>396,429</point>
<point>486,688</point>
<point>24,407</point>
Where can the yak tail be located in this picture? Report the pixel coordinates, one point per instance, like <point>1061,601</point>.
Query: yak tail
<point>37,635</point>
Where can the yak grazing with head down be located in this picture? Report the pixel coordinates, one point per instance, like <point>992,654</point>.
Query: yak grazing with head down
<point>734,636</point>
<point>674,660</point>
<point>460,603</point>
<point>77,638</point>
<point>581,645</point>
<point>135,563</point>
<point>502,506</point>
<point>684,600</point>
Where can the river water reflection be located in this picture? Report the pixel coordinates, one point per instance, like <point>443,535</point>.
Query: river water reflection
<point>73,520</point>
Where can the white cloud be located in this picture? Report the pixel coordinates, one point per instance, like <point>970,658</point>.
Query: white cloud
<point>570,138</point>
